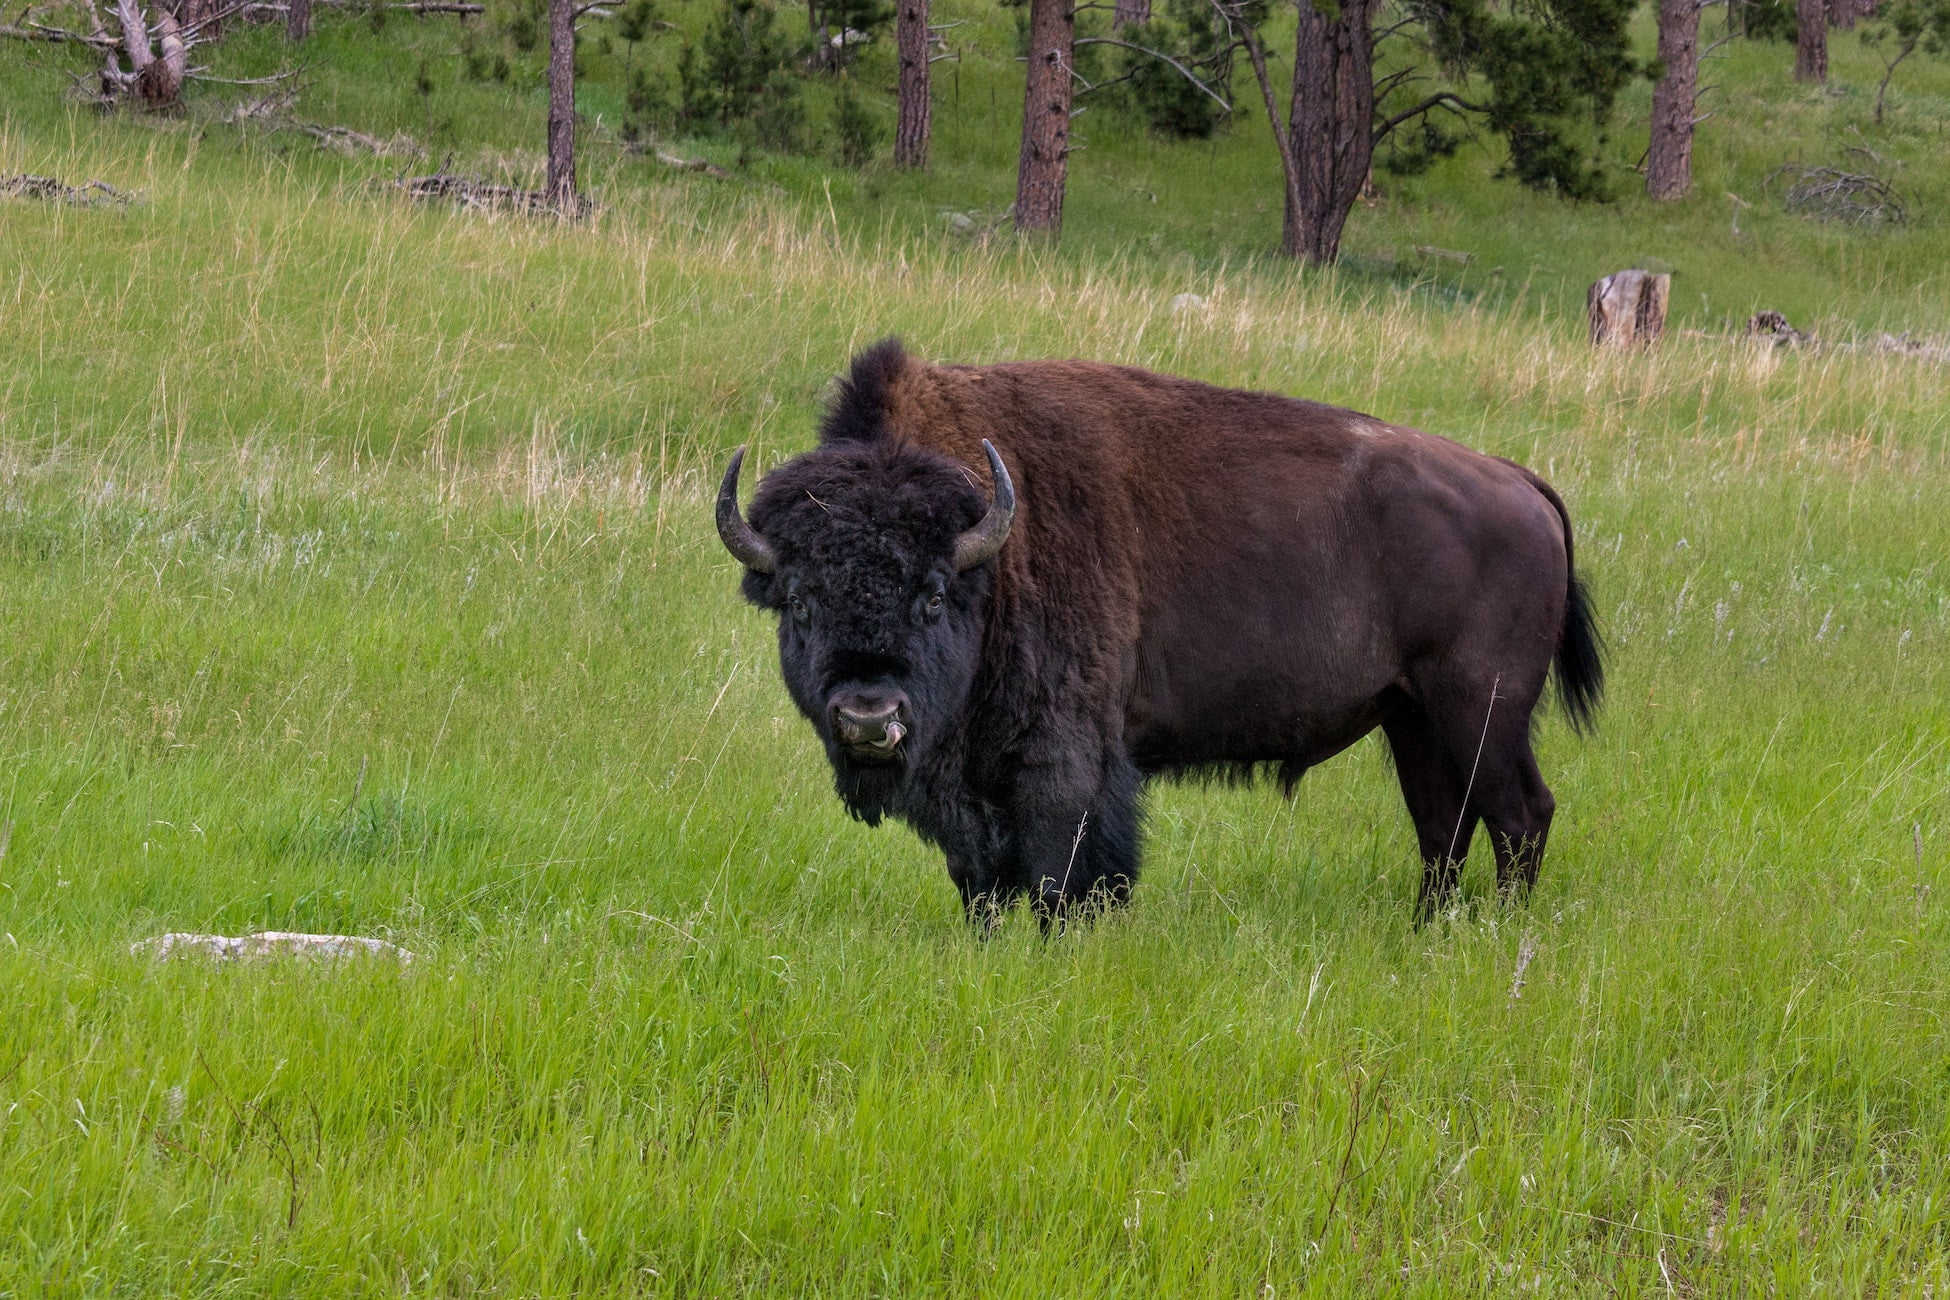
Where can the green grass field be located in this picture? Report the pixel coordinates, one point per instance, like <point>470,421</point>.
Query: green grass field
<point>359,578</point>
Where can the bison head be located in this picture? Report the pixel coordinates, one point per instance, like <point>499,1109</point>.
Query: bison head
<point>875,557</point>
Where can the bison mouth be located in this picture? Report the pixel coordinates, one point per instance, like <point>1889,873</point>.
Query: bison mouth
<point>882,749</point>
<point>868,729</point>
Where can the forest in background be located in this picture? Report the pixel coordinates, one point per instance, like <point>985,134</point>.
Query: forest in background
<point>743,102</point>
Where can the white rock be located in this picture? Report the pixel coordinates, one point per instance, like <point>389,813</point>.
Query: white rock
<point>266,943</point>
<point>1187,302</point>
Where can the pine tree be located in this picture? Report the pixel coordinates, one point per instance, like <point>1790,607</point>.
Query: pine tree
<point>1669,159</point>
<point>912,129</point>
<point>1811,41</point>
<point>1553,69</point>
<point>1899,29</point>
<point>1043,166</point>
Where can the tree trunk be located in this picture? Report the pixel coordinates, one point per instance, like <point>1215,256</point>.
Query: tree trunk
<point>911,128</point>
<point>1811,46</point>
<point>1669,162</point>
<point>561,186</point>
<point>1846,13</point>
<point>1330,127</point>
<point>297,20</point>
<point>1045,159</point>
<point>135,36</point>
<point>1131,13</point>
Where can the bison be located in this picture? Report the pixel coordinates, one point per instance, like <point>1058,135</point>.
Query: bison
<point>1008,595</point>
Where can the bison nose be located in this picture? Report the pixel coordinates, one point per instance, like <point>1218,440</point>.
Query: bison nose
<point>869,721</point>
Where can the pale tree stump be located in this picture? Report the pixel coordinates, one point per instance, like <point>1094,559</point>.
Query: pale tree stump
<point>1628,308</point>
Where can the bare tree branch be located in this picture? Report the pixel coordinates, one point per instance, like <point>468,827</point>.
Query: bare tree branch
<point>1393,80</point>
<point>57,36</point>
<point>1441,99</point>
<point>1188,74</point>
<point>276,78</point>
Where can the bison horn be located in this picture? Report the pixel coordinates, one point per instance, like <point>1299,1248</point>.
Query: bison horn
<point>980,543</point>
<point>738,536</point>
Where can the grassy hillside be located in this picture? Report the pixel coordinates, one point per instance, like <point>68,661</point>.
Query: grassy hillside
<point>359,578</point>
<point>1195,206</point>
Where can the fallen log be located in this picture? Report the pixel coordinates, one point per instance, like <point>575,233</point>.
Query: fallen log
<point>272,9</point>
<point>690,164</point>
<point>346,140</point>
<point>89,194</point>
<point>482,195</point>
<point>1774,327</point>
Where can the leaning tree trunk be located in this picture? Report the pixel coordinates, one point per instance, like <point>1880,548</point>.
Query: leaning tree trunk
<point>561,186</point>
<point>1330,126</point>
<point>1669,162</point>
<point>156,76</point>
<point>911,128</point>
<point>1045,159</point>
<point>1811,45</point>
<point>1131,13</point>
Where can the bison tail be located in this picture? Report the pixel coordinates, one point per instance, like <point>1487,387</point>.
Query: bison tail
<point>1579,663</point>
<point>1580,659</point>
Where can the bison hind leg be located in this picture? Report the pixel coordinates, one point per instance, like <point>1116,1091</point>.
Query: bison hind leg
<point>1433,789</point>
<point>1468,758</point>
<point>1517,809</point>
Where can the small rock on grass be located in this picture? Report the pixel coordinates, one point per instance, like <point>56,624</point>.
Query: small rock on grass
<point>266,943</point>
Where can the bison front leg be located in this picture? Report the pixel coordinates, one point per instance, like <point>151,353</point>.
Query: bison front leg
<point>1077,841</point>
<point>981,899</point>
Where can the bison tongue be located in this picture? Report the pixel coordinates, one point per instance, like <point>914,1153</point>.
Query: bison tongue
<point>893,737</point>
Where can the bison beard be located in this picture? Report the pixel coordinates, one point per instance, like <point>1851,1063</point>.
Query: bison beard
<point>1155,577</point>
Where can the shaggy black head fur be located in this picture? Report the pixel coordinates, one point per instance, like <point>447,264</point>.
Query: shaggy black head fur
<point>868,598</point>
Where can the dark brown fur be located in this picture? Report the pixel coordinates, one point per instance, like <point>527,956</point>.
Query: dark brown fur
<point>1206,580</point>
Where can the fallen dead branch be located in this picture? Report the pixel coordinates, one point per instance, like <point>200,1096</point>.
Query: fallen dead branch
<point>345,140</point>
<point>273,112</point>
<point>690,164</point>
<point>89,194</point>
<point>263,108</point>
<point>1772,329</point>
<point>266,9</point>
<point>33,31</point>
<point>1831,194</point>
<point>481,196</point>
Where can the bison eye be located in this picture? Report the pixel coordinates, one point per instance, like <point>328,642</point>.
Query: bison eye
<point>800,613</point>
